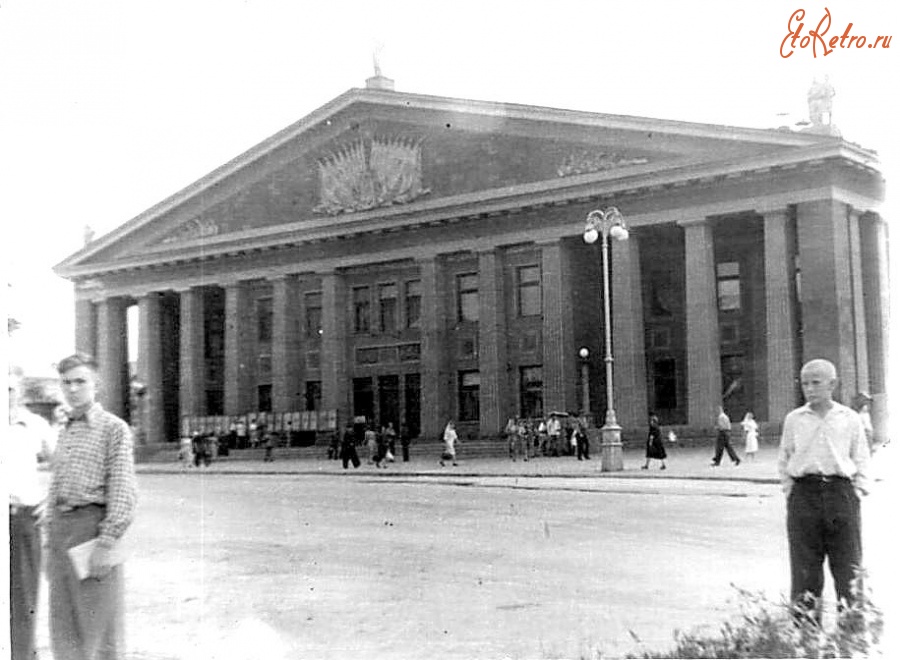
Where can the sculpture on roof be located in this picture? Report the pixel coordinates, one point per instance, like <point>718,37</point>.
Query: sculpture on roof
<point>820,104</point>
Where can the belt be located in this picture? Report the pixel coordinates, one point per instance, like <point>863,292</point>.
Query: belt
<point>821,478</point>
<point>64,506</point>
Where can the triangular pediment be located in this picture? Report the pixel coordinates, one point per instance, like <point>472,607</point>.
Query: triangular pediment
<point>372,150</point>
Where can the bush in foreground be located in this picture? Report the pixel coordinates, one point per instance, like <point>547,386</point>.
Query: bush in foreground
<point>779,630</point>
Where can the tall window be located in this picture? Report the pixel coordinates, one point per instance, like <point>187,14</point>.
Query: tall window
<point>264,398</point>
<point>528,284</point>
<point>728,283</point>
<point>361,309</point>
<point>469,386</point>
<point>467,297</point>
<point>413,303</point>
<point>312,303</point>
<point>264,320</point>
<point>313,396</point>
<point>531,391</point>
<point>387,305</point>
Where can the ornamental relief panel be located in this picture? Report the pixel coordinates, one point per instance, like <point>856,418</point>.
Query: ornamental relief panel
<point>586,162</point>
<point>192,229</point>
<point>370,173</point>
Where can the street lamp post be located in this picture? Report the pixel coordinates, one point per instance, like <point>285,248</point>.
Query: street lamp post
<point>584,354</point>
<point>605,225</point>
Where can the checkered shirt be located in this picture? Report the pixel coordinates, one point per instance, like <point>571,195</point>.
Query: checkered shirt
<point>94,464</point>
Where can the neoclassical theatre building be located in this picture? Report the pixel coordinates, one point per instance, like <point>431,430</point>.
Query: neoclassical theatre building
<point>416,259</point>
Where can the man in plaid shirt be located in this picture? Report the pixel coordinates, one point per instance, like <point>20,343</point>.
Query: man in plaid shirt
<point>93,495</point>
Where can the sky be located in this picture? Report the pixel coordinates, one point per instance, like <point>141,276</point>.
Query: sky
<point>110,107</point>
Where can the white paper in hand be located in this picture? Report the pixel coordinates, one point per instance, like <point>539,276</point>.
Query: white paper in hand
<point>80,555</point>
<point>81,558</point>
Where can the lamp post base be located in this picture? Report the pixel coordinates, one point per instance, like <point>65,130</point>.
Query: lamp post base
<point>611,459</point>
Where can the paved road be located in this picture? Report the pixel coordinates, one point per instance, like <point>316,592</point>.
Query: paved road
<point>416,562</point>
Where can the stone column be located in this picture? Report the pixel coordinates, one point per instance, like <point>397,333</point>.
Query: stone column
<point>333,358</point>
<point>859,309</point>
<point>559,352</point>
<point>827,290</point>
<point>192,362</point>
<point>781,359</point>
<point>85,326</point>
<point>150,371</point>
<point>112,354</point>
<point>239,397</point>
<point>704,369</point>
<point>491,343</point>
<point>285,344</point>
<point>630,369</point>
<point>434,406</point>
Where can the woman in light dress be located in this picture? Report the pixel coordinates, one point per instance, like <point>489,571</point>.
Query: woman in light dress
<point>751,435</point>
<point>450,438</point>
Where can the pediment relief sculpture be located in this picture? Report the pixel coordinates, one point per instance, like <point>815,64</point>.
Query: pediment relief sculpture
<point>586,162</point>
<point>193,229</point>
<point>370,173</point>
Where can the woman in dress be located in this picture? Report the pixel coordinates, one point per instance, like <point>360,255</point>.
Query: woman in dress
<point>450,438</point>
<point>751,435</point>
<point>655,448</point>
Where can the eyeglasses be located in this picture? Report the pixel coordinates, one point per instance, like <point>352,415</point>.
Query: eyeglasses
<point>78,382</point>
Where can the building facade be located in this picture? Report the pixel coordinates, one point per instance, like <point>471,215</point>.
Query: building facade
<point>416,259</point>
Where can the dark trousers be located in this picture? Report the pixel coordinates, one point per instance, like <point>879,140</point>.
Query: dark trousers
<point>348,455</point>
<point>405,450</point>
<point>823,521</point>
<point>723,443</point>
<point>583,448</point>
<point>24,575</point>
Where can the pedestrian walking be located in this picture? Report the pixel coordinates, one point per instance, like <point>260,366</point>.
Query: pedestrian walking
<point>450,438</point>
<point>750,429</point>
<point>390,440</point>
<point>723,439</point>
<point>554,433</point>
<point>371,440</point>
<point>348,447</point>
<point>655,450</point>
<point>270,447</point>
<point>582,442</point>
<point>823,461</point>
<point>26,450</point>
<point>862,404</point>
<point>404,442</point>
<point>92,497</point>
<point>381,449</point>
<point>511,431</point>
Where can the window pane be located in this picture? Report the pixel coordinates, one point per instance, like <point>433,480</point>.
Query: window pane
<point>728,269</point>
<point>361,309</point>
<point>387,294</point>
<point>469,382</point>
<point>468,306</point>
<point>264,320</point>
<point>729,294</point>
<point>529,300</point>
<point>413,303</point>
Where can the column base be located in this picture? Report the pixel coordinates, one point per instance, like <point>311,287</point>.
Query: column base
<point>611,458</point>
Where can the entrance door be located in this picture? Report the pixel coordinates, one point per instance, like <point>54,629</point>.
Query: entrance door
<point>363,398</point>
<point>389,401</point>
<point>413,405</point>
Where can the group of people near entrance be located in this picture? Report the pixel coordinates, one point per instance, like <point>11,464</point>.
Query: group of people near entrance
<point>559,434</point>
<point>823,461</point>
<point>380,446</point>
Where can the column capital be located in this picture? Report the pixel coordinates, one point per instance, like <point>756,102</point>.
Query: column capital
<point>693,222</point>
<point>773,211</point>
